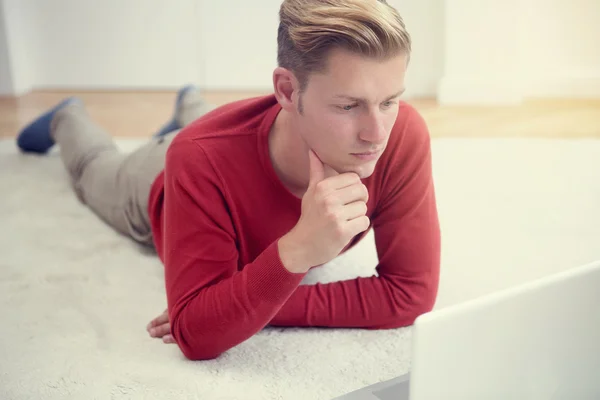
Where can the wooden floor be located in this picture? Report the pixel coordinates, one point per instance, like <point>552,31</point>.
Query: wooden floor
<point>138,114</point>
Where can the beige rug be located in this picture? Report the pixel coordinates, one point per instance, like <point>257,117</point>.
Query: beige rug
<point>75,297</point>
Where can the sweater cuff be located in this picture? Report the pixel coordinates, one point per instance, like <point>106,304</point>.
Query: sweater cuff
<point>268,280</point>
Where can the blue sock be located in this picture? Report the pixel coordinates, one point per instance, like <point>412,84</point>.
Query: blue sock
<point>36,136</point>
<point>172,124</point>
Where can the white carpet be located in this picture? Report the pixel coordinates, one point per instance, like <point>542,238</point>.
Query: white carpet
<point>75,297</point>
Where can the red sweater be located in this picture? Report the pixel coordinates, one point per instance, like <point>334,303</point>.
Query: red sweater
<point>218,209</point>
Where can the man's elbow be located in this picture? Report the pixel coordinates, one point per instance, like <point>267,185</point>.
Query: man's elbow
<point>200,351</point>
<point>405,317</point>
<point>421,300</point>
<point>408,312</point>
<point>422,304</point>
<point>427,301</point>
<point>199,346</point>
<point>421,308</point>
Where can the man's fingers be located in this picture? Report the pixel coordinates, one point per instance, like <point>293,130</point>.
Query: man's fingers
<point>160,331</point>
<point>161,319</point>
<point>168,339</point>
<point>358,225</point>
<point>354,210</point>
<point>160,327</point>
<point>352,193</point>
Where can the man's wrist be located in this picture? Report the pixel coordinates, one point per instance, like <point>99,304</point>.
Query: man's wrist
<point>292,255</point>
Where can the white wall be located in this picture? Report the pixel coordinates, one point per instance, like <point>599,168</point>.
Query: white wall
<point>117,44</point>
<point>6,86</point>
<point>240,47</point>
<point>481,52</point>
<point>505,51</point>
<point>424,20</point>
<point>240,43</point>
<point>23,39</point>
<point>562,54</point>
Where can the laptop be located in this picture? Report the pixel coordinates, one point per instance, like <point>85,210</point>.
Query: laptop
<point>538,340</point>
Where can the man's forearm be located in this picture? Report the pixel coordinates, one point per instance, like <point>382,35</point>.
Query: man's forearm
<point>221,316</point>
<point>372,303</point>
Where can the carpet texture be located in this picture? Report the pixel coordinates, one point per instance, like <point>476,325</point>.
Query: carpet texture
<point>75,297</point>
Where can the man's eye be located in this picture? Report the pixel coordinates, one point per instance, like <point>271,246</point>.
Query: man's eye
<point>348,107</point>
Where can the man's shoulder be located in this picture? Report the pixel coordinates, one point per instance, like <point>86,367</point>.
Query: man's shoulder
<point>239,118</point>
<point>410,123</point>
<point>410,134</point>
<point>405,166</point>
<point>225,137</point>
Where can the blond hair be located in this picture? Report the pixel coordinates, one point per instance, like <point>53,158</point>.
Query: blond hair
<point>309,29</point>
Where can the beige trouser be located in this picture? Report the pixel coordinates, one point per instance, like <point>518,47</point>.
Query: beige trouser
<point>115,185</point>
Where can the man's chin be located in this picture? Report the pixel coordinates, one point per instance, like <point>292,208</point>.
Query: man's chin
<point>364,170</point>
<point>365,174</point>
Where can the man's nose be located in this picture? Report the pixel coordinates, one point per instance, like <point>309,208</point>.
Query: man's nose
<point>373,129</point>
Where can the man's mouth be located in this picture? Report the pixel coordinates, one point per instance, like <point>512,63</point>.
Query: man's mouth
<point>367,155</point>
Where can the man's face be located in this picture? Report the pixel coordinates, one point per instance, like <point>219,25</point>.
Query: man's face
<point>349,111</point>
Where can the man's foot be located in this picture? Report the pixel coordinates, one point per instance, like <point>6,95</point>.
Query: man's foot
<point>36,136</point>
<point>173,124</point>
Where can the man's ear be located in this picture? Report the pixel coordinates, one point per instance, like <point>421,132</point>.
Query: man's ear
<point>286,88</point>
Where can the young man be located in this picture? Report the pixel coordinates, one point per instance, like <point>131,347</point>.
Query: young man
<point>244,200</point>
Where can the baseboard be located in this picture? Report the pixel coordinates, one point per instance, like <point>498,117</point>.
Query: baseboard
<point>574,86</point>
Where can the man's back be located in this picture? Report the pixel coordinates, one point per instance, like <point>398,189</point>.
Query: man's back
<point>231,141</point>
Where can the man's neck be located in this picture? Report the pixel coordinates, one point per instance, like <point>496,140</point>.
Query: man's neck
<point>289,155</point>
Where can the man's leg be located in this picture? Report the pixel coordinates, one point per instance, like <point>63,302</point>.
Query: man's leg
<point>115,185</point>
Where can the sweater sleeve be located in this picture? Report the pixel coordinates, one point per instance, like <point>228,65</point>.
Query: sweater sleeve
<point>213,305</point>
<point>407,237</point>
